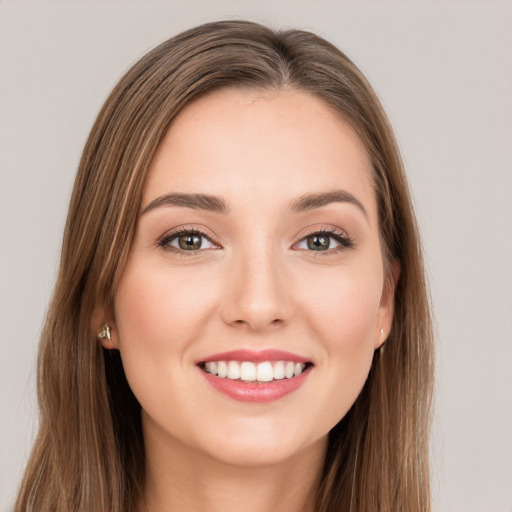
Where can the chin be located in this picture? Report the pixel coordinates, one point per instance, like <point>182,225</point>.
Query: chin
<point>255,456</point>
<point>265,445</point>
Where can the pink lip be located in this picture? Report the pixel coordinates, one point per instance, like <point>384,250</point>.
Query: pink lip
<point>255,356</point>
<point>256,392</point>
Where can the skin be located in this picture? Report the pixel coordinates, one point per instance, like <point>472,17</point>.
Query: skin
<point>254,284</point>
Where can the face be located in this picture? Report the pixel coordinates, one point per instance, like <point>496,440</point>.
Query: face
<point>254,295</point>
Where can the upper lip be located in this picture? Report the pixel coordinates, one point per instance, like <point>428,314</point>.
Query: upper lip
<point>256,356</point>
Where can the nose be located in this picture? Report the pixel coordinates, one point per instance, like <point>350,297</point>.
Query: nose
<point>257,295</point>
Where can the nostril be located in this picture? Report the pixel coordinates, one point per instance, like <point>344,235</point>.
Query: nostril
<point>276,321</point>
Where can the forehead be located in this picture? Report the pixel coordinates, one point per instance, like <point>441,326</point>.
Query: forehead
<point>270,145</point>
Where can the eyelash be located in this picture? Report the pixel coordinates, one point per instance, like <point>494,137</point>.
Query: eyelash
<point>168,238</point>
<point>344,241</point>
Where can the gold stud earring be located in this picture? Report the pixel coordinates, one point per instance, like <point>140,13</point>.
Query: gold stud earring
<point>105,333</point>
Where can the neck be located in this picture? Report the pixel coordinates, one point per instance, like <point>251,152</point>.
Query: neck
<point>178,478</point>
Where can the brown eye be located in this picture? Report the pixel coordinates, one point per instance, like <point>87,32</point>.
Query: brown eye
<point>190,242</point>
<point>325,241</point>
<point>319,242</point>
<point>187,241</point>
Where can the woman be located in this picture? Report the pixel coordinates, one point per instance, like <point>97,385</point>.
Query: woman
<point>240,319</point>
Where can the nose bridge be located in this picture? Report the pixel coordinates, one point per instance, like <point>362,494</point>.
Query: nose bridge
<point>256,296</point>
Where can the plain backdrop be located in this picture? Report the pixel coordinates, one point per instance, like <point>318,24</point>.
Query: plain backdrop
<point>443,70</point>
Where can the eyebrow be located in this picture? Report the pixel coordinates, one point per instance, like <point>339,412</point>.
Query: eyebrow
<point>195,201</point>
<point>311,201</point>
<point>216,204</point>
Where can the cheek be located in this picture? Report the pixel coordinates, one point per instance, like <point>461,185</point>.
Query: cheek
<point>161,313</point>
<point>155,319</point>
<point>343,315</point>
<point>158,319</point>
<point>158,309</point>
<point>344,307</point>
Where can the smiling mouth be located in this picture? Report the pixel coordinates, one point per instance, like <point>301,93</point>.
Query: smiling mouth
<point>248,371</point>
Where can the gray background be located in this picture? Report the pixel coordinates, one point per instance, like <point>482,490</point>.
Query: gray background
<point>443,70</point>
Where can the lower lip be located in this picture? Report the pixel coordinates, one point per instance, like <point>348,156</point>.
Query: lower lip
<point>256,392</point>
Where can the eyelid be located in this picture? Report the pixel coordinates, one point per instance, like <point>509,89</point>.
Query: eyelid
<point>341,236</point>
<point>173,233</point>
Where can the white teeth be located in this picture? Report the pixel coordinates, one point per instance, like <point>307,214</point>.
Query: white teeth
<point>264,372</point>
<point>222,369</point>
<point>233,370</point>
<point>249,371</point>
<point>279,370</point>
<point>211,367</point>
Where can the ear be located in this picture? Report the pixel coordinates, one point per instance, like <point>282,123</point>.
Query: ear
<point>101,316</point>
<point>387,304</point>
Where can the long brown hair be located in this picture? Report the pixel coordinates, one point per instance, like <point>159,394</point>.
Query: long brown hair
<point>89,453</point>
